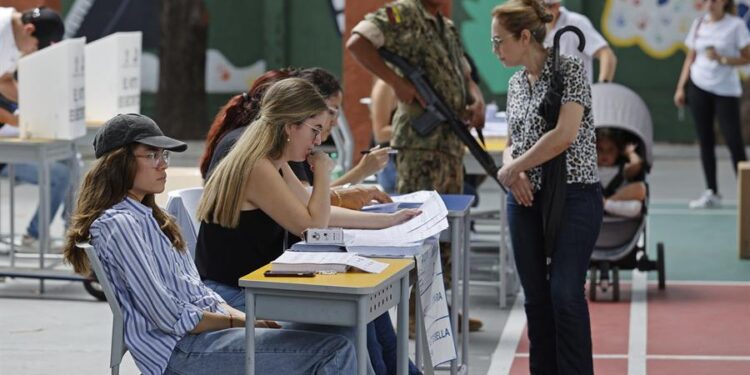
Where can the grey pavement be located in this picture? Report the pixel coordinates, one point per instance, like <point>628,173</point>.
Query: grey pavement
<point>64,331</point>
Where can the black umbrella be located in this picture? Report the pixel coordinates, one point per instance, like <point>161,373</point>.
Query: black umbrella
<point>554,173</point>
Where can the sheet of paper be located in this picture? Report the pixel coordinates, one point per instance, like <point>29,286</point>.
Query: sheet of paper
<point>435,307</point>
<point>350,259</point>
<point>431,221</point>
<point>9,131</point>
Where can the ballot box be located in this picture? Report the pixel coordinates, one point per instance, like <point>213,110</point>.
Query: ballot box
<point>51,94</point>
<point>113,76</point>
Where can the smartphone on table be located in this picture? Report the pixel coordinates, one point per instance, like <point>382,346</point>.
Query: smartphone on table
<point>272,273</point>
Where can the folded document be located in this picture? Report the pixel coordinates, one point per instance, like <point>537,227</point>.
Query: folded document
<point>325,262</point>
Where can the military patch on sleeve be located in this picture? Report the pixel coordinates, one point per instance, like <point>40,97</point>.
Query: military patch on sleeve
<point>394,16</point>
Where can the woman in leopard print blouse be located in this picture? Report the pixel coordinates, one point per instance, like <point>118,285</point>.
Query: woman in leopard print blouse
<point>556,309</point>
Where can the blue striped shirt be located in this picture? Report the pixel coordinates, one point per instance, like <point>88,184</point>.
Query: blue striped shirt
<point>158,287</point>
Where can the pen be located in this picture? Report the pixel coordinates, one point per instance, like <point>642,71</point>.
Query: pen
<point>390,152</point>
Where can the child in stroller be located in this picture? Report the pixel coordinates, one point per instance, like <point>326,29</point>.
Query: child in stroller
<point>624,145</point>
<point>621,174</point>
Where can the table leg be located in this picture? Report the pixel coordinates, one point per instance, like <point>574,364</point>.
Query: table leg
<point>402,358</point>
<point>12,178</point>
<point>465,292</point>
<point>249,332</point>
<point>361,336</point>
<point>455,260</point>
<point>44,215</point>
<point>418,323</point>
<point>503,251</point>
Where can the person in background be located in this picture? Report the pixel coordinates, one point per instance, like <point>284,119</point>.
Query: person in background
<point>383,103</point>
<point>371,163</point>
<point>717,43</point>
<point>418,32</point>
<point>559,327</point>
<point>233,118</point>
<point>174,324</point>
<point>621,173</point>
<point>596,46</point>
<point>22,34</point>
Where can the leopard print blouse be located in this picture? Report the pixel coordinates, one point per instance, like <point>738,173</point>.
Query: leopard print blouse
<point>526,126</point>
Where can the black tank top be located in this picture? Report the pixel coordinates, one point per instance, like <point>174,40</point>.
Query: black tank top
<point>226,254</point>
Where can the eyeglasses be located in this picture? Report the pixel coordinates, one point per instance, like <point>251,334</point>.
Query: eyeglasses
<point>316,131</point>
<point>154,157</point>
<point>496,42</point>
<point>334,112</point>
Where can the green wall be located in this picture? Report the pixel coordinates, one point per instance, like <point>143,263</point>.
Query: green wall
<point>303,33</point>
<point>653,79</point>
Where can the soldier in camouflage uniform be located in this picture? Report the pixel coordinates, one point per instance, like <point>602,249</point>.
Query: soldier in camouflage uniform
<point>416,31</point>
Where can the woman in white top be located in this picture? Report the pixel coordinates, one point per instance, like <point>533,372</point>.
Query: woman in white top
<point>717,42</point>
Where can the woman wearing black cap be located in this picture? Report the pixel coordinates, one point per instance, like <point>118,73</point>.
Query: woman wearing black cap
<point>174,324</point>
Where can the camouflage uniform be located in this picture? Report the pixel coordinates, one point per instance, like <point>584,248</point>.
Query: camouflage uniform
<point>435,161</point>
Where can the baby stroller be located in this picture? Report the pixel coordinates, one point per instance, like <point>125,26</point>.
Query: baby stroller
<point>622,241</point>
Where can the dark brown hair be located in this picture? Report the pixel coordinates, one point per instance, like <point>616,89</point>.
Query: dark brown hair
<point>105,185</point>
<point>239,111</point>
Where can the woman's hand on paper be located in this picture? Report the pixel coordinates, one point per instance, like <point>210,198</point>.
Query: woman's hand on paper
<point>401,216</point>
<point>356,197</point>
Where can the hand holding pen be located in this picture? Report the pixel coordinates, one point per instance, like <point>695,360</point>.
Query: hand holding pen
<point>374,160</point>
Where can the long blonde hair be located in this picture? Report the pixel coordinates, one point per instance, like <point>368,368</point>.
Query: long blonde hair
<point>105,185</point>
<point>290,101</point>
<point>519,15</point>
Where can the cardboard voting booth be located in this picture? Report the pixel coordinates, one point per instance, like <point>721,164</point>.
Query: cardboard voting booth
<point>113,76</point>
<point>51,94</point>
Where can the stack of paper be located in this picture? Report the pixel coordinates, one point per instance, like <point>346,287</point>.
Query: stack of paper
<point>405,239</point>
<point>325,262</point>
<point>432,221</point>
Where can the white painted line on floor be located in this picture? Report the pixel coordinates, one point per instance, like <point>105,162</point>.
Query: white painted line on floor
<point>670,357</point>
<point>700,357</point>
<point>502,357</point>
<point>704,283</point>
<point>638,324</point>
<point>596,356</point>
<point>687,211</point>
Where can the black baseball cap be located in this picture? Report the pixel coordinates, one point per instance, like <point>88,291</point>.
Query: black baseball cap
<point>48,26</point>
<point>125,129</point>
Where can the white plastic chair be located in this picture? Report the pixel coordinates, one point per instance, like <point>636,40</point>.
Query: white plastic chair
<point>183,205</point>
<point>118,329</point>
<point>344,140</point>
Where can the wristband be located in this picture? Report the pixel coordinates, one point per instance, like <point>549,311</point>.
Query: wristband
<point>338,198</point>
<point>231,320</point>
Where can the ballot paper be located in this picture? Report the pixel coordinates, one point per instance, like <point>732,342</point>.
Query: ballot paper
<point>430,222</point>
<point>325,262</point>
<point>390,207</point>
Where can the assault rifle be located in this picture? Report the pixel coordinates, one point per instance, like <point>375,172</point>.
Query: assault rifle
<point>438,112</point>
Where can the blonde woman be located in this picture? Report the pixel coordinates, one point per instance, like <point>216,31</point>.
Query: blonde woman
<point>558,317</point>
<point>253,196</point>
<point>174,324</point>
